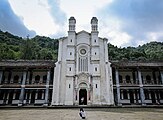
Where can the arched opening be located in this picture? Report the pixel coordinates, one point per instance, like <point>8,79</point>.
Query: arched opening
<point>153,96</point>
<point>16,79</point>
<point>131,93</point>
<point>128,79</point>
<point>125,96</point>
<point>148,79</point>
<point>82,97</point>
<point>37,79</point>
<point>33,93</point>
<point>44,78</point>
<point>39,95</point>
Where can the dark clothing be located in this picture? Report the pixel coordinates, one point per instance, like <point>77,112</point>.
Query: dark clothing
<point>82,113</point>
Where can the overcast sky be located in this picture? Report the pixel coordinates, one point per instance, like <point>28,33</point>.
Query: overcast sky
<point>123,22</point>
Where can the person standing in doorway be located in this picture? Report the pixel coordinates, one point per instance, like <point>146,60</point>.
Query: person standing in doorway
<point>82,100</point>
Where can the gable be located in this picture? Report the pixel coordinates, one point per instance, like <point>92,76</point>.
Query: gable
<point>83,37</point>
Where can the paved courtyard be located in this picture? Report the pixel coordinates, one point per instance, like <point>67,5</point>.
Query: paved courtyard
<point>92,114</point>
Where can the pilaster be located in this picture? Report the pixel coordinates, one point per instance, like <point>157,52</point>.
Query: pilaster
<point>28,77</point>
<point>1,76</point>
<point>56,84</point>
<point>106,50</point>
<point>10,78</point>
<point>118,87</point>
<point>161,73</point>
<point>108,97</point>
<point>142,97</point>
<point>47,89</point>
<point>6,78</point>
<point>21,97</point>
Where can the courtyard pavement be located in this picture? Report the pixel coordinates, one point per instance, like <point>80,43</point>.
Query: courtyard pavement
<point>73,114</point>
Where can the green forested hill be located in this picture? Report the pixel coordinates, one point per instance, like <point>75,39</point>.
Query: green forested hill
<point>150,51</point>
<point>39,47</point>
<point>45,48</point>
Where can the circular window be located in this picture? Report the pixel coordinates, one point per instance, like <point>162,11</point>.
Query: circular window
<point>83,51</point>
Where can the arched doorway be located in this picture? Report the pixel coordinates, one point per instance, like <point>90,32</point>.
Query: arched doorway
<point>82,97</point>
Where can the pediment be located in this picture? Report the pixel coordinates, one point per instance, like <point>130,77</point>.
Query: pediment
<point>83,32</point>
<point>83,37</point>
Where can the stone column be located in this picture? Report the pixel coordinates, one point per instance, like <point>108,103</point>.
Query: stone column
<point>10,77</point>
<point>28,75</point>
<point>47,89</point>
<point>6,77</point>
<point>21,97</point>
<point>1,76</point>
<point>136,77</point>
<point>161,73</point>
<point>142,97</point>
<point>128,95</point>
<point>118,87</point>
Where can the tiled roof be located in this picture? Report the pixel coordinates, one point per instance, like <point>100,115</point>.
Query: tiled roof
<point>27,63</point>
<point>137,63</point>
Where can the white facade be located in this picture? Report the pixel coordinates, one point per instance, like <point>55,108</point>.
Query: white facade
<point>83,69</point>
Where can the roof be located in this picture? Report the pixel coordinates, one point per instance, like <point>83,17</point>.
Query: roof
<point>71,18</point>
<point>137,63</point>
<point>27,63</point>
<point>94,19</point>
<point>83,31</point>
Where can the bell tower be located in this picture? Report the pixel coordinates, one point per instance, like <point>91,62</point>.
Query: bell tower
<point>71,32</point>
<point>94,24</point>
<point>72,23</point>
<point>94,39</point>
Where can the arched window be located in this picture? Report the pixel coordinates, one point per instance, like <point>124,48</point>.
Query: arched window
<point>44,78</point>
<point>148,79</point>
<point>120,79</point>
<point>16,79</point>
<point>128,79</point>
<point>37,79</point>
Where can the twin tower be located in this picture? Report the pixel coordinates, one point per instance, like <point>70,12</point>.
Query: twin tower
<point>94,24</point>
<point>82,75</point>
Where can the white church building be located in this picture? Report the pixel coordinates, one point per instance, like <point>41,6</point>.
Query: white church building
<point>83,69</point>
